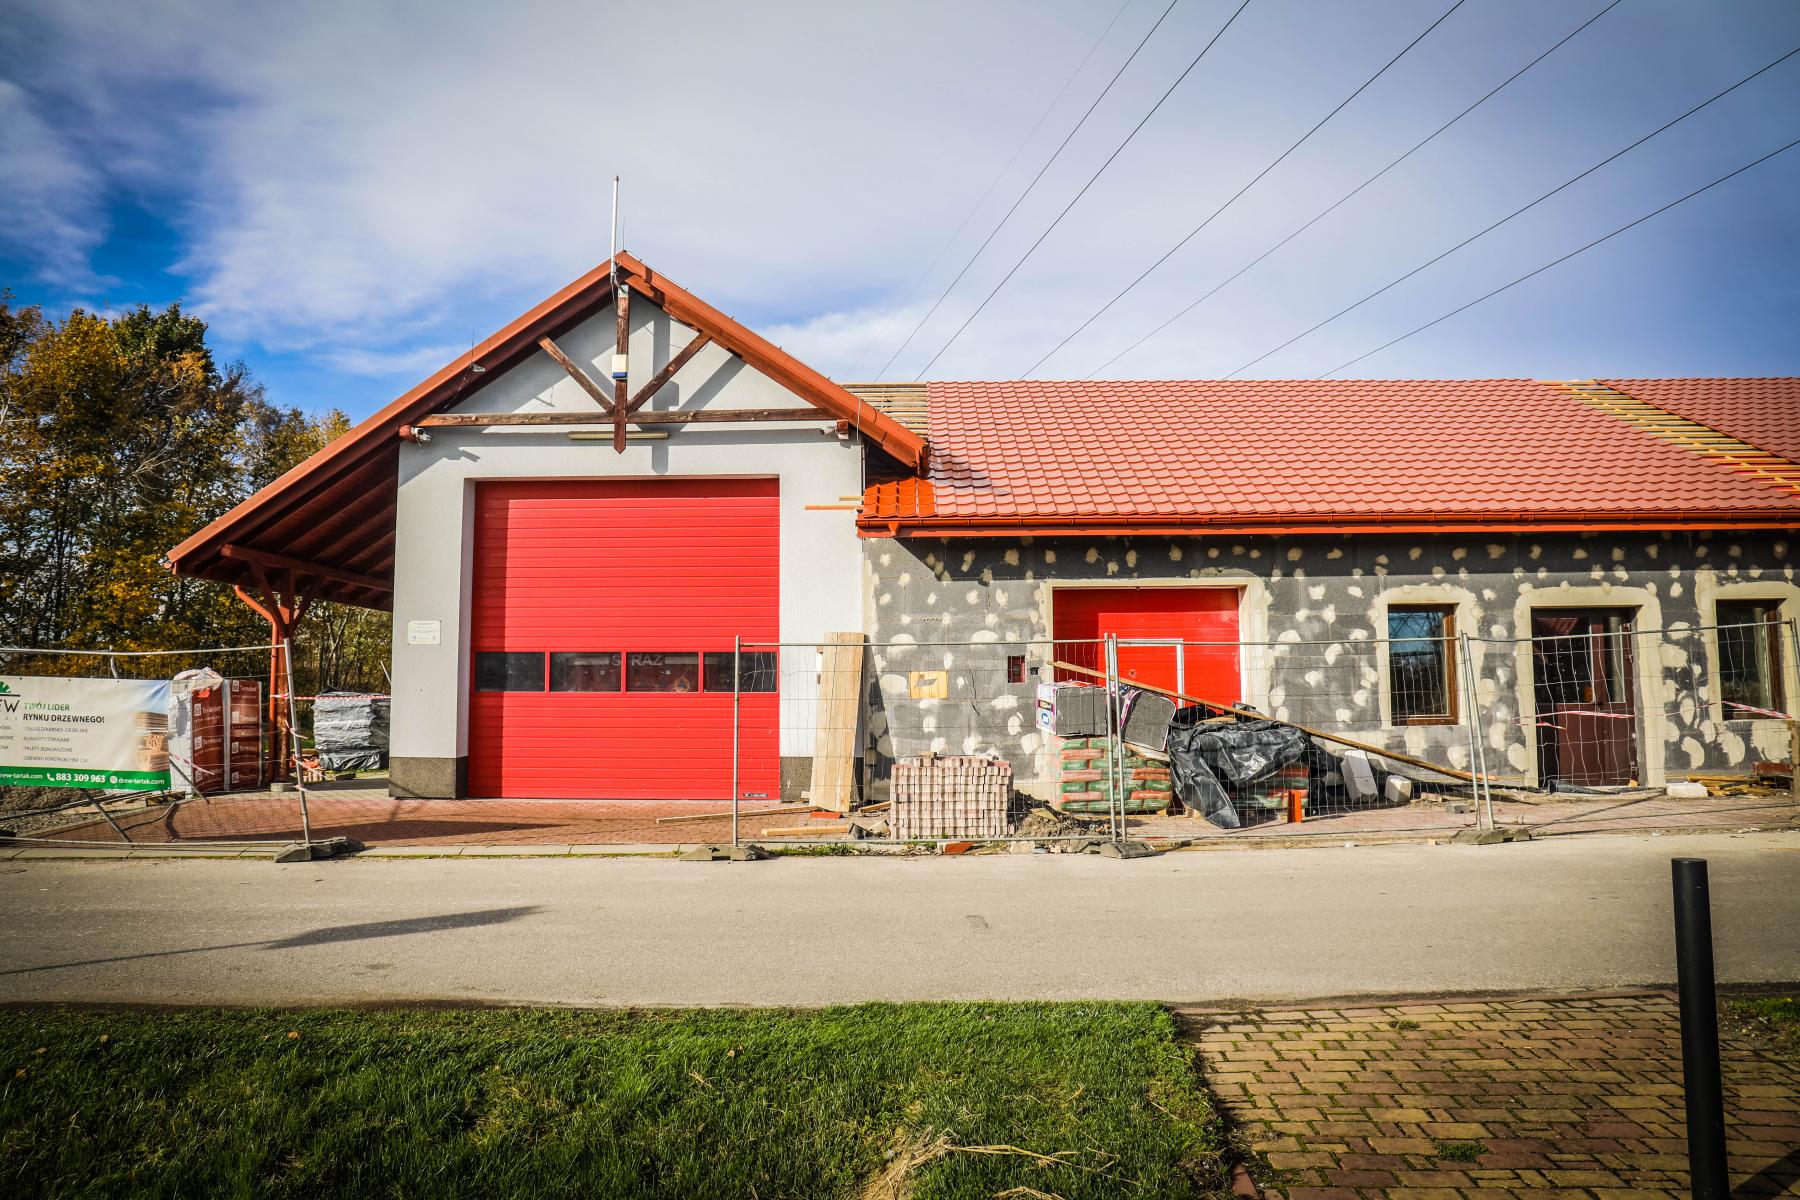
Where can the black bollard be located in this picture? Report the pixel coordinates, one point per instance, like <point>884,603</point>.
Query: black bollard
<point>1699,1031</point>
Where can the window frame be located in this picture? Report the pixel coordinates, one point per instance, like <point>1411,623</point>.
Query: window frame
<point>1771,654</point>
<point>1453,715</point>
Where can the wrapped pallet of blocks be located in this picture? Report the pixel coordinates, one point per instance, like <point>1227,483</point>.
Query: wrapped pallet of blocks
<point>950,796</point>
<point>1086,766</point>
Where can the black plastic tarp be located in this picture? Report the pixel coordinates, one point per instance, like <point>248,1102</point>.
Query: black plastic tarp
<point>350,731</point>
<point>1208,757</point>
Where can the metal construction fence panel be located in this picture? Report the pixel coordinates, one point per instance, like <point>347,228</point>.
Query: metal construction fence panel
<point>210,731</point>
<point>1594,702</point>
<point>1427,717</point>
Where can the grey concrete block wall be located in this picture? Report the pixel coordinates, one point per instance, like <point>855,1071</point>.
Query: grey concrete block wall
<point>1312,609</point>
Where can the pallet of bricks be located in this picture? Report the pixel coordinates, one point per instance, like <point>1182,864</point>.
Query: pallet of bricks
<point>1086,763</point>
<point>952,796</point>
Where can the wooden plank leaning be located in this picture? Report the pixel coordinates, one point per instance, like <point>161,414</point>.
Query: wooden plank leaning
<point>1384,752</point>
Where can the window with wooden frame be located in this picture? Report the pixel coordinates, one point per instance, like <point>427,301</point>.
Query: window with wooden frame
<point>1422,664</point>
<point>1750,658</point>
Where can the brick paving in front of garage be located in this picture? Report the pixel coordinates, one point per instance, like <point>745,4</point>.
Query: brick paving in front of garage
<point>1576,1097</point>
<point>363,809</point>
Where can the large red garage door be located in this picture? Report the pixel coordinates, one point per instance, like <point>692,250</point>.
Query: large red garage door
<point>602,623</point>
<point>1193,614</point>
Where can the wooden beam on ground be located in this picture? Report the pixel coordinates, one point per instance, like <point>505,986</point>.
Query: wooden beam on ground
<point>834,742</point>
<point>747,812</point>
<point>1252,714</point>
<point>258,559</point>
<point>700,342</point>
<point>576,373</point>
<point>822,829</point>
<point>701,416</point>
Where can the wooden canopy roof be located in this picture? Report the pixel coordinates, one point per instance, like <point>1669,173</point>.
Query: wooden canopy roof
<point>328,524</point>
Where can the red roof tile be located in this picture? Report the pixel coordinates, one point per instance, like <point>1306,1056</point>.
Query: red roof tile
<point>1306,454</point>
<point>1763,412</point>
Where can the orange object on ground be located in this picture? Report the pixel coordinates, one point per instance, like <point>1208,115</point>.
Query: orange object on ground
<point>1296,805</point>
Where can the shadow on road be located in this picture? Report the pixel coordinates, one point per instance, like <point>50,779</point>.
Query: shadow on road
<point>331,934</point>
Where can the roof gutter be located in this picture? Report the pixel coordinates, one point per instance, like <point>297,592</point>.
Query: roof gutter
<point>876,527</point>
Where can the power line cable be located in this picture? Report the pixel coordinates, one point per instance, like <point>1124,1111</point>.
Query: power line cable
<point>1090,183</point>
<point>1573,179</point>
<point>863,354</point>
<point>1048,163</point>
<point>1195,231</point>
<point>1352,193</point>
<point>1565,258</point>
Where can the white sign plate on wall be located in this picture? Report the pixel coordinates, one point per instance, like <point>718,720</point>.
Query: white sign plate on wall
<point>421,633</point>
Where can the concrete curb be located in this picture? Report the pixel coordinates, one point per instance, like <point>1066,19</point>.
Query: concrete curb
<point>867,849</point>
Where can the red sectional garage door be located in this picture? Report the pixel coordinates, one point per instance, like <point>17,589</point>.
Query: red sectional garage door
<point>1193,614</point>
<point>602,623</point>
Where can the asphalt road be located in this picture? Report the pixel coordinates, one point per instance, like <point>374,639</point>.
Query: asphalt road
<point>1270,925</point>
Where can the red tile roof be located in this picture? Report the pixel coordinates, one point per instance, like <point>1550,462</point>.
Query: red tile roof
<point>1310,455</point>
<point>1763,412</point>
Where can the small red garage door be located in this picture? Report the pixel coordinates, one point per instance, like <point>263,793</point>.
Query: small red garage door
<point>602,625</point>
<point>1193,614</point>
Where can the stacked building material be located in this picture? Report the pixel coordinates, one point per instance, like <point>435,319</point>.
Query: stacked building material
<point>1085,770</point>
<point>956,796</point>
<point>1273,798</point>
<point>350,731</point>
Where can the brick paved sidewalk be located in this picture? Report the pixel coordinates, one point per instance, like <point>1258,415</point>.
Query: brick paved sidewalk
<point>1466,1101</point>
<point>362,809</point>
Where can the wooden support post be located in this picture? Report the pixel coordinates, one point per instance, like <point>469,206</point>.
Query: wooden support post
<point>282,604</point>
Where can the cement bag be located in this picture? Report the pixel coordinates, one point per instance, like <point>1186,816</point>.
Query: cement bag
<point>350,731</point>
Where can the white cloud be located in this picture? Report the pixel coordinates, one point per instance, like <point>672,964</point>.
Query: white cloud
<point>367,184</point>
<point>847,345</point>
<point>52,212</point>
<point>386,364</point>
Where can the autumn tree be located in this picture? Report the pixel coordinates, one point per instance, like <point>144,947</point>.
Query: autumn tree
<point>119,437</point>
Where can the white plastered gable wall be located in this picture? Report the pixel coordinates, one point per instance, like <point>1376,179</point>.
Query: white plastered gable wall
<point>821,559</point>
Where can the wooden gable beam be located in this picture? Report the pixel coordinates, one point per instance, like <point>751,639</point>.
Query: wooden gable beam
<point>259,559</point>
<point>622,345</point>
<point>701,341</point>
<point>577,374</point>
<point>698,416</point>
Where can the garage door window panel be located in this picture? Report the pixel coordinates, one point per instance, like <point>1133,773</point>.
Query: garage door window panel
<point>585,671</point>
<point>759,670</point>
<point>662,671</point>
<point>509,671</point>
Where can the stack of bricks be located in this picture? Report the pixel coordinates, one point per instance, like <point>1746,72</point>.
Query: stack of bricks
<point>955,796</point>
<point>1086,762</point>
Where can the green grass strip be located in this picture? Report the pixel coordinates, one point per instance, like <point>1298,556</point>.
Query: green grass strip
<point>921,1101</point>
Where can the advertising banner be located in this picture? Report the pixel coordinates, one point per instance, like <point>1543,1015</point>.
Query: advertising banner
<point>84,733</point>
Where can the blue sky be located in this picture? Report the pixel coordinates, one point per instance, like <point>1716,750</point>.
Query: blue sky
<point>351,193</point>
